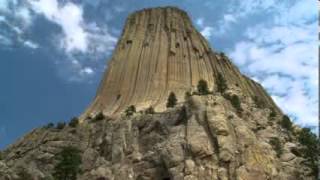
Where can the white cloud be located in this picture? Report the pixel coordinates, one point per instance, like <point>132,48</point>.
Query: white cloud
<point>283,55</point>
<point>23,13</point>
<point>299,13</point>
<point>79,36</point>
<point>87,70</point>
<point>229,18</point>
<point>81,42</point>
<point>237,11</point>
<point>4,5</point>
<point>31,44</point>
<point>200,22</point>
<point>277,84</point>
<point>69,18</point>
<point>2,18</point>
<point>298,105</point>
<point>5,41</point>
<point>207,32</point>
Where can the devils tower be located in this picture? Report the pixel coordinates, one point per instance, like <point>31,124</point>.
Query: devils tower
<point>160,52</point>
<point>229,130</point>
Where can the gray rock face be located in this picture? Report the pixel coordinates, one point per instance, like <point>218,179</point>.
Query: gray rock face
<point>212,142</point>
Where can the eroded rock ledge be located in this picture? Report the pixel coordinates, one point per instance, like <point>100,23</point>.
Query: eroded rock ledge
<point>210,141</point>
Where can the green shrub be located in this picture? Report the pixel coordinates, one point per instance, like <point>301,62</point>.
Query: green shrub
<point>60,125</point>
<point>235,102</point>
<point>74,122</point>
<point>311,149</point>
<point>118,96</point>
<point>68,166</point>
<point>100,116</point>
<point>149,110</point>
<point>183,115</point>
<point>272,114</point>
<point>221,83</point>
<point>258,101</point>
<point>222,54</point>
<point>276,144</point>
<point>130,110</point>
<point>286,123</point>
<point>202,87</point>
<point>49,125</point>
<point>172,100</point>
<point>187,95</point>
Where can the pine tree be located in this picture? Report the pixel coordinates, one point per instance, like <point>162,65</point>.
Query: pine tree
<point>130,110</point>
<point>187,95</point>
<point>68,166</point>
<point>311,149</point>
<point>100,116</point>
<point>49,125</point>
<point>172,100</point>
<point>286,123</point>
<point>272,114</point>
<point>60,125</point>
<point>276,144</point>
<point>202,87</point>
<point>235,102</point>
<point>149,110</point>
<point>74,122</point>
<point>221,83</point>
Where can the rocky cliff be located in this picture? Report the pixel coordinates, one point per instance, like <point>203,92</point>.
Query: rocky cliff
<point>234,134</point>
<point>160,51</point>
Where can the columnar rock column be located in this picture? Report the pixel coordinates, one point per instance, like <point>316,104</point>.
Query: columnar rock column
<point>160,51</point>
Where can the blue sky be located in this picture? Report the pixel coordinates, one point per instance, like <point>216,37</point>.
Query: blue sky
<point>53,52</point>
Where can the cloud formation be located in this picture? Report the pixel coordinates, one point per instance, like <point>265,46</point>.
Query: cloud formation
<point>69,17</point>
<point>283,56</point>
<point>206,31</point>
<point>79,41</point>
<point>78,38</point>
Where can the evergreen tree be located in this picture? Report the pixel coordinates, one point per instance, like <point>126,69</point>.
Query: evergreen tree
<point>202,87</point>
<point>235,102</point>
<point>183,115</point>
<point>276,144</point>
<point>149,110</point>
<point>221,83</point>
<point>272,114</point>
<point>172,100</point>
<point>130,110</point>
<point>68,166</point>
<point>74,122</point>
<point>286,123</point>
<point>60,125</point>
<point>187,95</point>
<point>311,149</point>
<point>100,116</point>
<point>258,101</point>
<point>49,125</point>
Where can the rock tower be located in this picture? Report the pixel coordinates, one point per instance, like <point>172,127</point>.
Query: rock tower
<point>159,52</point>
<point>232,132</point>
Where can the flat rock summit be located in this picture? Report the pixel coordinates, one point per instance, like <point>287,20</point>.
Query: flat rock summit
<point>217,124</point>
